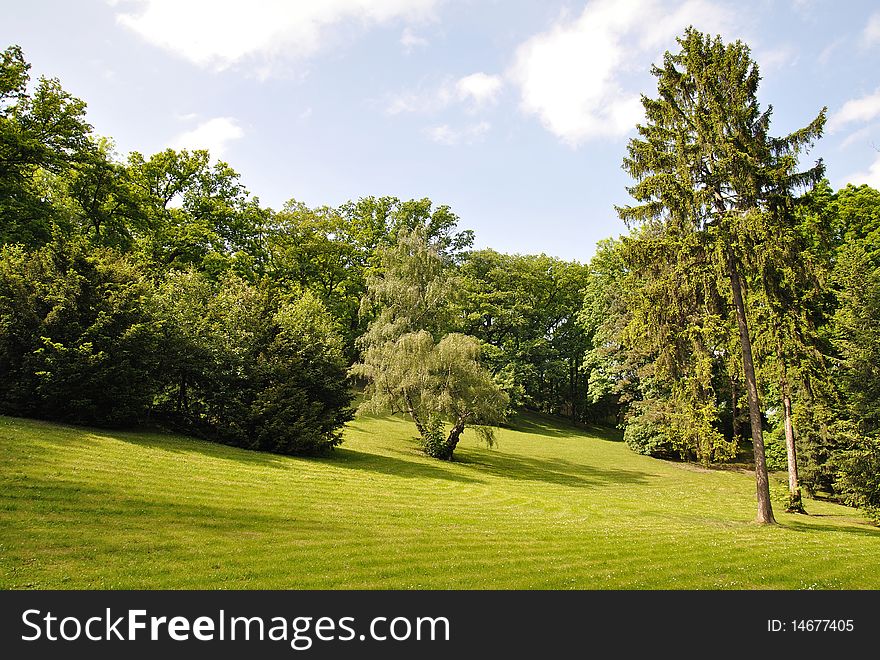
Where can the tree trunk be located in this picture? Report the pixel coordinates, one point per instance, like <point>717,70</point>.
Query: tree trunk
<point>795,503</point>
<point>415,417</point>
<point>734,403</point>
<point>765,509</point>
<point>452,440</point>
<point>182,399</point>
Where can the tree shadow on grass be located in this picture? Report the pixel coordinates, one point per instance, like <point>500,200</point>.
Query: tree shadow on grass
<point>850,527</point>
<point>396,467</point>
<point>558,427</point>
<point>22,429</point>
<point>68,435</point>
<point>147,509</point>
<point>340,457</point>
<point>179,444</point>
<point>495,463</point>
<point>559,472</point>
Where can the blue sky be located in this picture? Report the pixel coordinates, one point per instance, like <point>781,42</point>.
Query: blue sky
<point>516,114</point>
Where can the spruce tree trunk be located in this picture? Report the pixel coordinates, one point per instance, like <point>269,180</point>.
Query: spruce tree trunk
<point>765,509</point>
<point>795,503</point>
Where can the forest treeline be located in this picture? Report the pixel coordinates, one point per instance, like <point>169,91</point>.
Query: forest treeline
<point>157,289</point>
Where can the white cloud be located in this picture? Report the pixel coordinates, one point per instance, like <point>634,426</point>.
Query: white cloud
<point>572,76</point>
<point>218,34</point>
<point>476,90</point>
<point>871,177</point>
<point>446,135</point>
<point>212,135</point>
<point>871,33</point>
<point>827,52</point>
<point>860,135</point>
<point>776,58</point>
<point>410,40</point>
<point>855,110</point>
<point>480,87</point>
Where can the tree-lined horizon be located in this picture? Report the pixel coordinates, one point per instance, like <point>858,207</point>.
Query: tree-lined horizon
<point>736,322</point>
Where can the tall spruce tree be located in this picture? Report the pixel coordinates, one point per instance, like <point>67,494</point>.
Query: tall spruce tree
<point>711,178</point>
<point>791,304</point>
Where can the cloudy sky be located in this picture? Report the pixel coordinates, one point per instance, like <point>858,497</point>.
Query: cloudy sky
<point>516,113</point>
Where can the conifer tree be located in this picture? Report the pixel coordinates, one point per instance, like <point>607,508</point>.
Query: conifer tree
<point>710,178</point>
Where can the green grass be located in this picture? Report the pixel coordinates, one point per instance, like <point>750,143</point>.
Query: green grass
<point>549,508</point>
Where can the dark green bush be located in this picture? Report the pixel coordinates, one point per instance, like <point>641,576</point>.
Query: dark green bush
<point>775,452</point>
<point>78,339</point>
<point>248,371</point>
<point>858,480</point>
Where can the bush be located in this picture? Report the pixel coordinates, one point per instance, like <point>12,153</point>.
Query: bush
<point>775,451</point>
<point>85,338</point>
<point>858,480</point>
<point>303,397</point>
<point>247,371</point>
<point>78,338</point>
<point>646,437</point>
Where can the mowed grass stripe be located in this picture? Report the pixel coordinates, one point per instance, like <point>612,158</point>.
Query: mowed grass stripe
<point>551,507</point>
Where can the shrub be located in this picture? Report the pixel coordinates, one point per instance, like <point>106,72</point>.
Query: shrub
<point>77,335</point>
<point>858,480</point>
<point>248,371</point>
<point>775,452</point>
<point>303,398</point>
<point>645,437</point>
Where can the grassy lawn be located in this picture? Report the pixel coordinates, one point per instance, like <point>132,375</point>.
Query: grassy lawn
<point>549,508</point>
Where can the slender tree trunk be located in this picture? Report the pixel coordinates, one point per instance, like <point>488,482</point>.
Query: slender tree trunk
<point>795,503</point>
<point>765,509</point>
<point>734,404</point>
<point>411,409</point>
<point>182,400</point>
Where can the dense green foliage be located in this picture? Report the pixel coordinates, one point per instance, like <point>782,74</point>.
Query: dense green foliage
<point>79,335</point>
<point>157,289</point>
<point>331,251</point>
<point>524,308</point>
<point>138,291</point>
<point>251,371</point>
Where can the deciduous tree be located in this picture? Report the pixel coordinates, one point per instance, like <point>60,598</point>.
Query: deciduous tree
<point>411,362</point>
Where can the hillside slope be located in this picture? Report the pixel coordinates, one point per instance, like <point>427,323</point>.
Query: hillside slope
<point>550,507</point>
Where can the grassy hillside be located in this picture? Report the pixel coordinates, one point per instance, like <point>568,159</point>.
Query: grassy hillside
<point>549,508</point>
